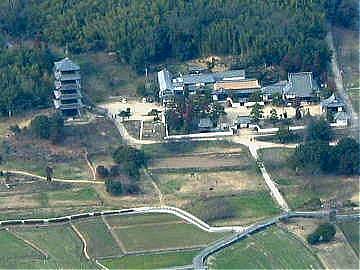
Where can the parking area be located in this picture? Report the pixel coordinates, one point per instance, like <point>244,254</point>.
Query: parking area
<point>138,109</point>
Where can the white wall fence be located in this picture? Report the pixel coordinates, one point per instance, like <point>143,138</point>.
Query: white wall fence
<point>200,135</point>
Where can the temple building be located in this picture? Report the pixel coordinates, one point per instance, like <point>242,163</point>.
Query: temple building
<point>67,91</point>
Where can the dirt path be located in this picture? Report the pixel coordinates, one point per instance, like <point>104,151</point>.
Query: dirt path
<point>114,235</point>
<point>156,187</point>
<point>339,82</point>
<point>90,165</point>
<point>78,233</point>
<point>161,197</point>
<point>54,179</point>
<point>254,146</point>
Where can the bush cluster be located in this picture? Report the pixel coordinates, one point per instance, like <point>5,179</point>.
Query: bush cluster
<point>323,234</point>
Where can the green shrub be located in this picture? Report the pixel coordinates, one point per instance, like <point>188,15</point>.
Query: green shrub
<point>323,234</point>
<point>114,187</point>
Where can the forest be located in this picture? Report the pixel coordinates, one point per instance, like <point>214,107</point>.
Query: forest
<point>143,32</point>
<point>25,79</point>
<point>286,33</point>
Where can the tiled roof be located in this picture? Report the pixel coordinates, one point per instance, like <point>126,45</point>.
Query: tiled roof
<point>230,75</point>
<point>332,102</point>
<point>274,88</point>
<point>200,78</point>
<point>237,85</point>
<point>301,84</point>
<point>66,65</point>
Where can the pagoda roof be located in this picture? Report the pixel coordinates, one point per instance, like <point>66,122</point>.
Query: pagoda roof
<point>66,65</point>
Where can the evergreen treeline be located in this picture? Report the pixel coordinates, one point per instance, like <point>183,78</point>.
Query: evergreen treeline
<point>284,32</point>
<point>25,79</point>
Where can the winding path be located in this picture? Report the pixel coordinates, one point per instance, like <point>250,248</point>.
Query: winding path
<point>186,216</point>
<point>200,260</point>
<point>78,233</point>
<point>54,179</point>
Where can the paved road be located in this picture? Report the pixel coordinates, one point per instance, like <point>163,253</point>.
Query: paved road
<point>339,82</point>
<point>130,211</point>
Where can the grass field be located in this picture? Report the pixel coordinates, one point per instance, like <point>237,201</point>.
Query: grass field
<point>151,261</point>
<point>77,196</point>
<point>336,254</point>
<point>61,243</point>
<point>246,206</point>
<point>158,231</point>
<point>15,253</point>
<point>269,249</point>
<point>351,232</point>
<point>98,238</point>
<point>164,236</point>
<point>300,189</point>
<point>118,221</point>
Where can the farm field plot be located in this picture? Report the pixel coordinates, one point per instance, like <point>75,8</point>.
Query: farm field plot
<point>77,196</point>
<point>15,253</point>
<point>164,236</point>
<point>128,220</point>
<point>197,161</point>
<point>171,149</point>
<point>158,232</point>
<point>60,243</point>
<point>20,201</point>
<point>239,208</point>
<point>301,189</point>
<point>43,195</point>
<point>152,261</point>
<point>351,232</point>
<point>272,248</point>
<point>217,182</point>
<point>98,238</point>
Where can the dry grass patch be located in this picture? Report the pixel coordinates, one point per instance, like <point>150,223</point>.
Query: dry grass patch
<point>213,182</point>
<point>19,201</point>
<point>300,188</point>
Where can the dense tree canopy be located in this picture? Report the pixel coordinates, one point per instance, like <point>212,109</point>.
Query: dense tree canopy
<point>287,32</point>
<point>25,80</point>
<point>51,128</point>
